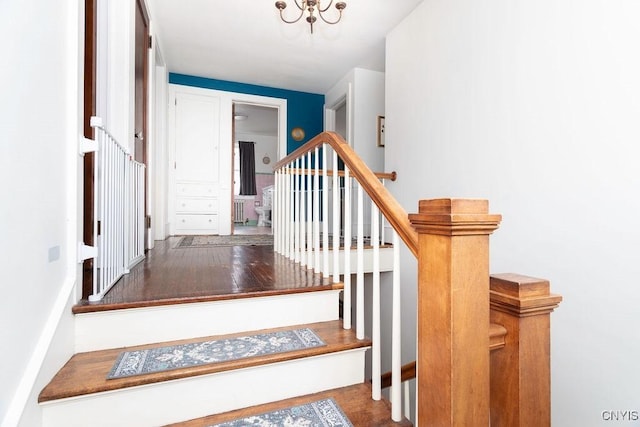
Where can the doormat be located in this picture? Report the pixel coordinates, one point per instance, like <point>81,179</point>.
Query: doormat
<point>323,413</point>
<point>140,362</point>
<point>231,240</point>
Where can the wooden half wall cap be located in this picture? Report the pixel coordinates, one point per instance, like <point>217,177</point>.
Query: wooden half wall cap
<point>454,217</point>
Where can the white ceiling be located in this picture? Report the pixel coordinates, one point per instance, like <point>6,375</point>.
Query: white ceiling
<point>245,41</point>
<point>259,120</point>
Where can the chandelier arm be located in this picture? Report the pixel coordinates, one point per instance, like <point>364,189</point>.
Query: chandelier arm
<point>330,22</point>
<point>295,20</point>
<point>300,6</point>
<point>326,8</point>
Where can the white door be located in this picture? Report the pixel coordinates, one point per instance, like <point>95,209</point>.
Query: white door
<point>197,165</point>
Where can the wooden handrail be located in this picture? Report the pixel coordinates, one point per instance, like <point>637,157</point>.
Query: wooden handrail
<point>388,205</point>
<point>407,372</point>
<point>391,176</point>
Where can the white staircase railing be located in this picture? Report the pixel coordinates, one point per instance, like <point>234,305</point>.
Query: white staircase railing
<point>119,228</point>
<point>313,196</point>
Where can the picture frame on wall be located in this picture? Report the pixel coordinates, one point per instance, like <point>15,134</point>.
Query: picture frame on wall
<point>380,131</point>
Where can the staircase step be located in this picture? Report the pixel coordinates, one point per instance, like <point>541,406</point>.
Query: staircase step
<point>355,401</point>
<point>115,326</point>
<point>81,387</point>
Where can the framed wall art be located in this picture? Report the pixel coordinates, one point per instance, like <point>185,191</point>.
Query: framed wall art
<point>380,131</point>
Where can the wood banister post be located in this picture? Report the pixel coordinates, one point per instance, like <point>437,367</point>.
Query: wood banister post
<point>520,372</point>
<point>453,311</point>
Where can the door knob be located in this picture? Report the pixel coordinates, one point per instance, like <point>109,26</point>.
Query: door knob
<point>139,136</point>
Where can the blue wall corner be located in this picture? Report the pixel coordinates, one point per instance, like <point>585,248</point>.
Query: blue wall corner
<point>304,110</point>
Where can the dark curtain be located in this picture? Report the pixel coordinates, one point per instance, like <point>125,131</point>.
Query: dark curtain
<point>247,168</point>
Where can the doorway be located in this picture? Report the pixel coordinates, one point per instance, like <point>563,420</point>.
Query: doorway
<point>255,151</point>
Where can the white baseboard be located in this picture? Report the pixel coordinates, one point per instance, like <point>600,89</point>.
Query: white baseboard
<point>27,391</point>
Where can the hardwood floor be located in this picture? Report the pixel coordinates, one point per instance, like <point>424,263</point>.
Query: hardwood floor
<point>172,275</point>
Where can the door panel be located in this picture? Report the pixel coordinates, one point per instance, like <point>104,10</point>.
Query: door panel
<point>197,130</point>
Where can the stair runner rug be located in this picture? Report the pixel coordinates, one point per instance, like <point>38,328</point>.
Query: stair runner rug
<point>323,413</point>
<point>231,240</point>
<point>140,362</point>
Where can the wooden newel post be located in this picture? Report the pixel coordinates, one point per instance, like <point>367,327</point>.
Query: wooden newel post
<point>453,311</point>
<point>520,372</point>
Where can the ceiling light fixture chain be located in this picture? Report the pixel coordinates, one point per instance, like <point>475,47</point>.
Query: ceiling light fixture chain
<point>313,9</point>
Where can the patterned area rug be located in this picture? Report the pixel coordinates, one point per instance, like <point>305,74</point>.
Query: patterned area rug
<point>323,413</point>
<point>231,240</point>
<point>139,362</point>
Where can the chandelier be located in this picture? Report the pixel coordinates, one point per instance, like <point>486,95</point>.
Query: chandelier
<point>313,8</point>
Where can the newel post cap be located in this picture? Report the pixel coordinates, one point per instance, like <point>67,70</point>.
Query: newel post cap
<point>521,296</point>
<point>454,217</point>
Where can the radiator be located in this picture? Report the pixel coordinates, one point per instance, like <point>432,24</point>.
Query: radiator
<point>238,211</point>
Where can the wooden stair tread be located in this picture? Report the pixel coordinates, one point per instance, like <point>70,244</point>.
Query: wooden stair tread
<point>86,373</point>
<point>85,306</point>
<point>354,400</point>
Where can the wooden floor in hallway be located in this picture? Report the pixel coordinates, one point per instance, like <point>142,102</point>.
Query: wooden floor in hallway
<point>171,274</point>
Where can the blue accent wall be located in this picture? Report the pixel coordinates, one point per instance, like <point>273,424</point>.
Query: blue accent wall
<point>304,109</point>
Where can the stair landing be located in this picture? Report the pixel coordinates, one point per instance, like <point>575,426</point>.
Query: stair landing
<point>171,275</point>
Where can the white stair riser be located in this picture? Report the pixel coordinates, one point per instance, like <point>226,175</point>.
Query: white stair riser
<point>122,328</point>
<point>180,400</point>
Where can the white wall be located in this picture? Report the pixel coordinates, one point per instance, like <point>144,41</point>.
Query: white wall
<point>160,215</point>
<point>361,93</point>
<point>364,104</point>
<point>535,106</point>
<point>39,168</point>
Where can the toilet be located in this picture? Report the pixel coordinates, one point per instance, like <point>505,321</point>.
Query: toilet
<point>264,211</point>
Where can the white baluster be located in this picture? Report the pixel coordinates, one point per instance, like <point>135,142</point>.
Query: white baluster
<point>303,213</point>
<point>376,363</point>
<point>296,207</point>
<point>308,218</point>
<point>396,337</point>
<point>275,209</point>
<point>346,303</point>
<point>316,214</point>
<point>336,220</point>
<point>325,213</point>
<point>360,268</point>
<point>276,226</point>
<point>284,218</point>
<point>290,206</point>
<point>382,220</point>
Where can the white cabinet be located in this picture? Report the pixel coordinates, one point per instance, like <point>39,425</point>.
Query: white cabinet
<point>197,164</point>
